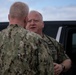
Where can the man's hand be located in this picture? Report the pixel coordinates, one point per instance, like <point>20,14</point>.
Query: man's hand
<point>57,68</point>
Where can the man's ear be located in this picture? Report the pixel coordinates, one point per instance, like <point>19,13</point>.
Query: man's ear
<point>43,25</point>
<point>26,19</point>
<point>25,22</point>
<point>8,17</point>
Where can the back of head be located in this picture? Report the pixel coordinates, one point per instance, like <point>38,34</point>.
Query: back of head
<point>19,10</point>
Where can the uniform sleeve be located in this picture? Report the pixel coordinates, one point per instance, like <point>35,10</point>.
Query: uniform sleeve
<point>61,53</point>
<point>57,49</point>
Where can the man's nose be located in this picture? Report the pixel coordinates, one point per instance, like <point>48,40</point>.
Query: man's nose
<point>32,22</point>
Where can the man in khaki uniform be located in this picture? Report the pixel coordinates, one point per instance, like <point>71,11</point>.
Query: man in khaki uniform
<point>23,52</point>
<point>61,60</point>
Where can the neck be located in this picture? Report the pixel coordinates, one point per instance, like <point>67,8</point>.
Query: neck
<point>40,33</point>
<point>16,21</point>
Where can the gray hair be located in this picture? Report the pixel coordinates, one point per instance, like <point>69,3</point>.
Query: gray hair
<point>34,11</point>
<point>19,10</point>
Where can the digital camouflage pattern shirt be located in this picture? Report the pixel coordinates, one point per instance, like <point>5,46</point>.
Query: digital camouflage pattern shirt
<point>23,53</point>
<point>56,49</point>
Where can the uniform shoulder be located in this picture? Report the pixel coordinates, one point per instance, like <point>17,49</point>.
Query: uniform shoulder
<point>33,35</point>
<point>54,41</point>
<point>50,38</point>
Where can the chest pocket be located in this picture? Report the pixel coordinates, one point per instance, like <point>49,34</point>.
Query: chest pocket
<point>53,50</point>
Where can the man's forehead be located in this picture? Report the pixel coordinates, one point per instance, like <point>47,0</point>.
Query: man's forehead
<point>33,16</point>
